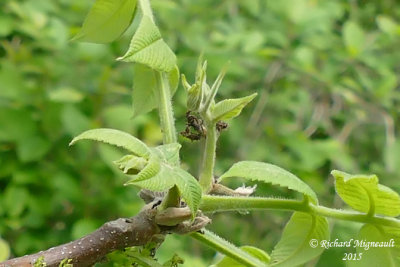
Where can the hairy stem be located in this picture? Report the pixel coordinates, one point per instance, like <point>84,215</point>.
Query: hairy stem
<point>165,109</point>
<point>221,245</point>
<point>206,179</point>
<point>168,129</point>
<point>224,203</point>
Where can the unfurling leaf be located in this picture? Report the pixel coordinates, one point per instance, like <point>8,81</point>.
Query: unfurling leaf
<point>169,153</point>
<point>131,164</point>
<point>116,138</point>
<point>365,194</point>
<point>268,173</point>
<point>230,108</point>
<point>209,100</point>
<point>378,246</point>
<point>106,21</point>
<point>163,172</point>
<point>148,48</point>
<point>167,177</point>
<point>300,241</point>
<point>150,170</point>
<point>253,251</point>
<point>145,88</point>
<point>198,91</point>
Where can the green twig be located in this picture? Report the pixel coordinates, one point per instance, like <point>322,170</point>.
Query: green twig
<point>221,245</point>
<point>206,179</point>
<point>168,129</point>
<point>225,203</point>
<point>165,109</point>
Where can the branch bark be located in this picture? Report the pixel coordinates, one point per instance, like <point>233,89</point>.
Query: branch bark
<point>113,235</point>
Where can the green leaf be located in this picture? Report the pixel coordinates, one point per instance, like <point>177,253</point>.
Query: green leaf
<point>268,173</point>
<point>4,250</point>
<point>166,177</point>
<point>295,248</point>
<point>354,38</point>
<point>387,252</point>
<point>32,148</point>
<point>116,138</point>
<point>65,95</point>
<point>256,252</point>
<point>148,48</point>
<point>145,88</point>
<point>230,108</point>
<point>223,246</point>
<point>363,193</point>
<point>169,153</point>
<point>163,172</point>
<point>388,25</point>
<point>150,170</point>
<point>131,164</point>
<point>106,21</point>
<point>16,124</point>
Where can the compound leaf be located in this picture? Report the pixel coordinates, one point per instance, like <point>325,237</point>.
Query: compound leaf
<point>131,164</point>
<point>150,170</point>
<point>230,108</point>
<point>106,21</point>
<point>116,138</point>
<point>167,177</point>
<point>163,172</point>
<point>169,153</point>
<point>365,194</point>
<point>145,88</point>
<point>296,245</point>
<point>269,173</point>
<point>148,48</point>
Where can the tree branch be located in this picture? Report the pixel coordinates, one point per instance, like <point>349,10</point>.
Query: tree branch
<point>148,225</point>
<point>113,235</point>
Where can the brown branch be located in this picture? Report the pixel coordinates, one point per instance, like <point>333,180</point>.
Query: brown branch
<point>118,234</point>
<point>148,225</point>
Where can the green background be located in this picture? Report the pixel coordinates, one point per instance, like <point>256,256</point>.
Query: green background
<point>327,77</point>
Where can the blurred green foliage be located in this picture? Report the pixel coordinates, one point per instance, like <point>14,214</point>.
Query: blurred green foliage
<point>327,77</point>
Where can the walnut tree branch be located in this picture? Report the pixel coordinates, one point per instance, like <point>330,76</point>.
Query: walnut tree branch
<point>118,234</point>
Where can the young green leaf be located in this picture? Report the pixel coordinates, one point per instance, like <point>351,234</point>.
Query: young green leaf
<point>377,246</point>
<point>230,108</point>
<point>297,245</point>
<point>150,170</point>
<point>163,172</point>
<point>210,94</point>
<point>239,255</point>
<point>145,88</point>
<point>268,173</point>
<point>106,21</point>
<point>148,48</point>
<point>256,252</point>
<point>131,164</point>
<point>116,138</point>
<point>168,153</point>
<point>363,193</point>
